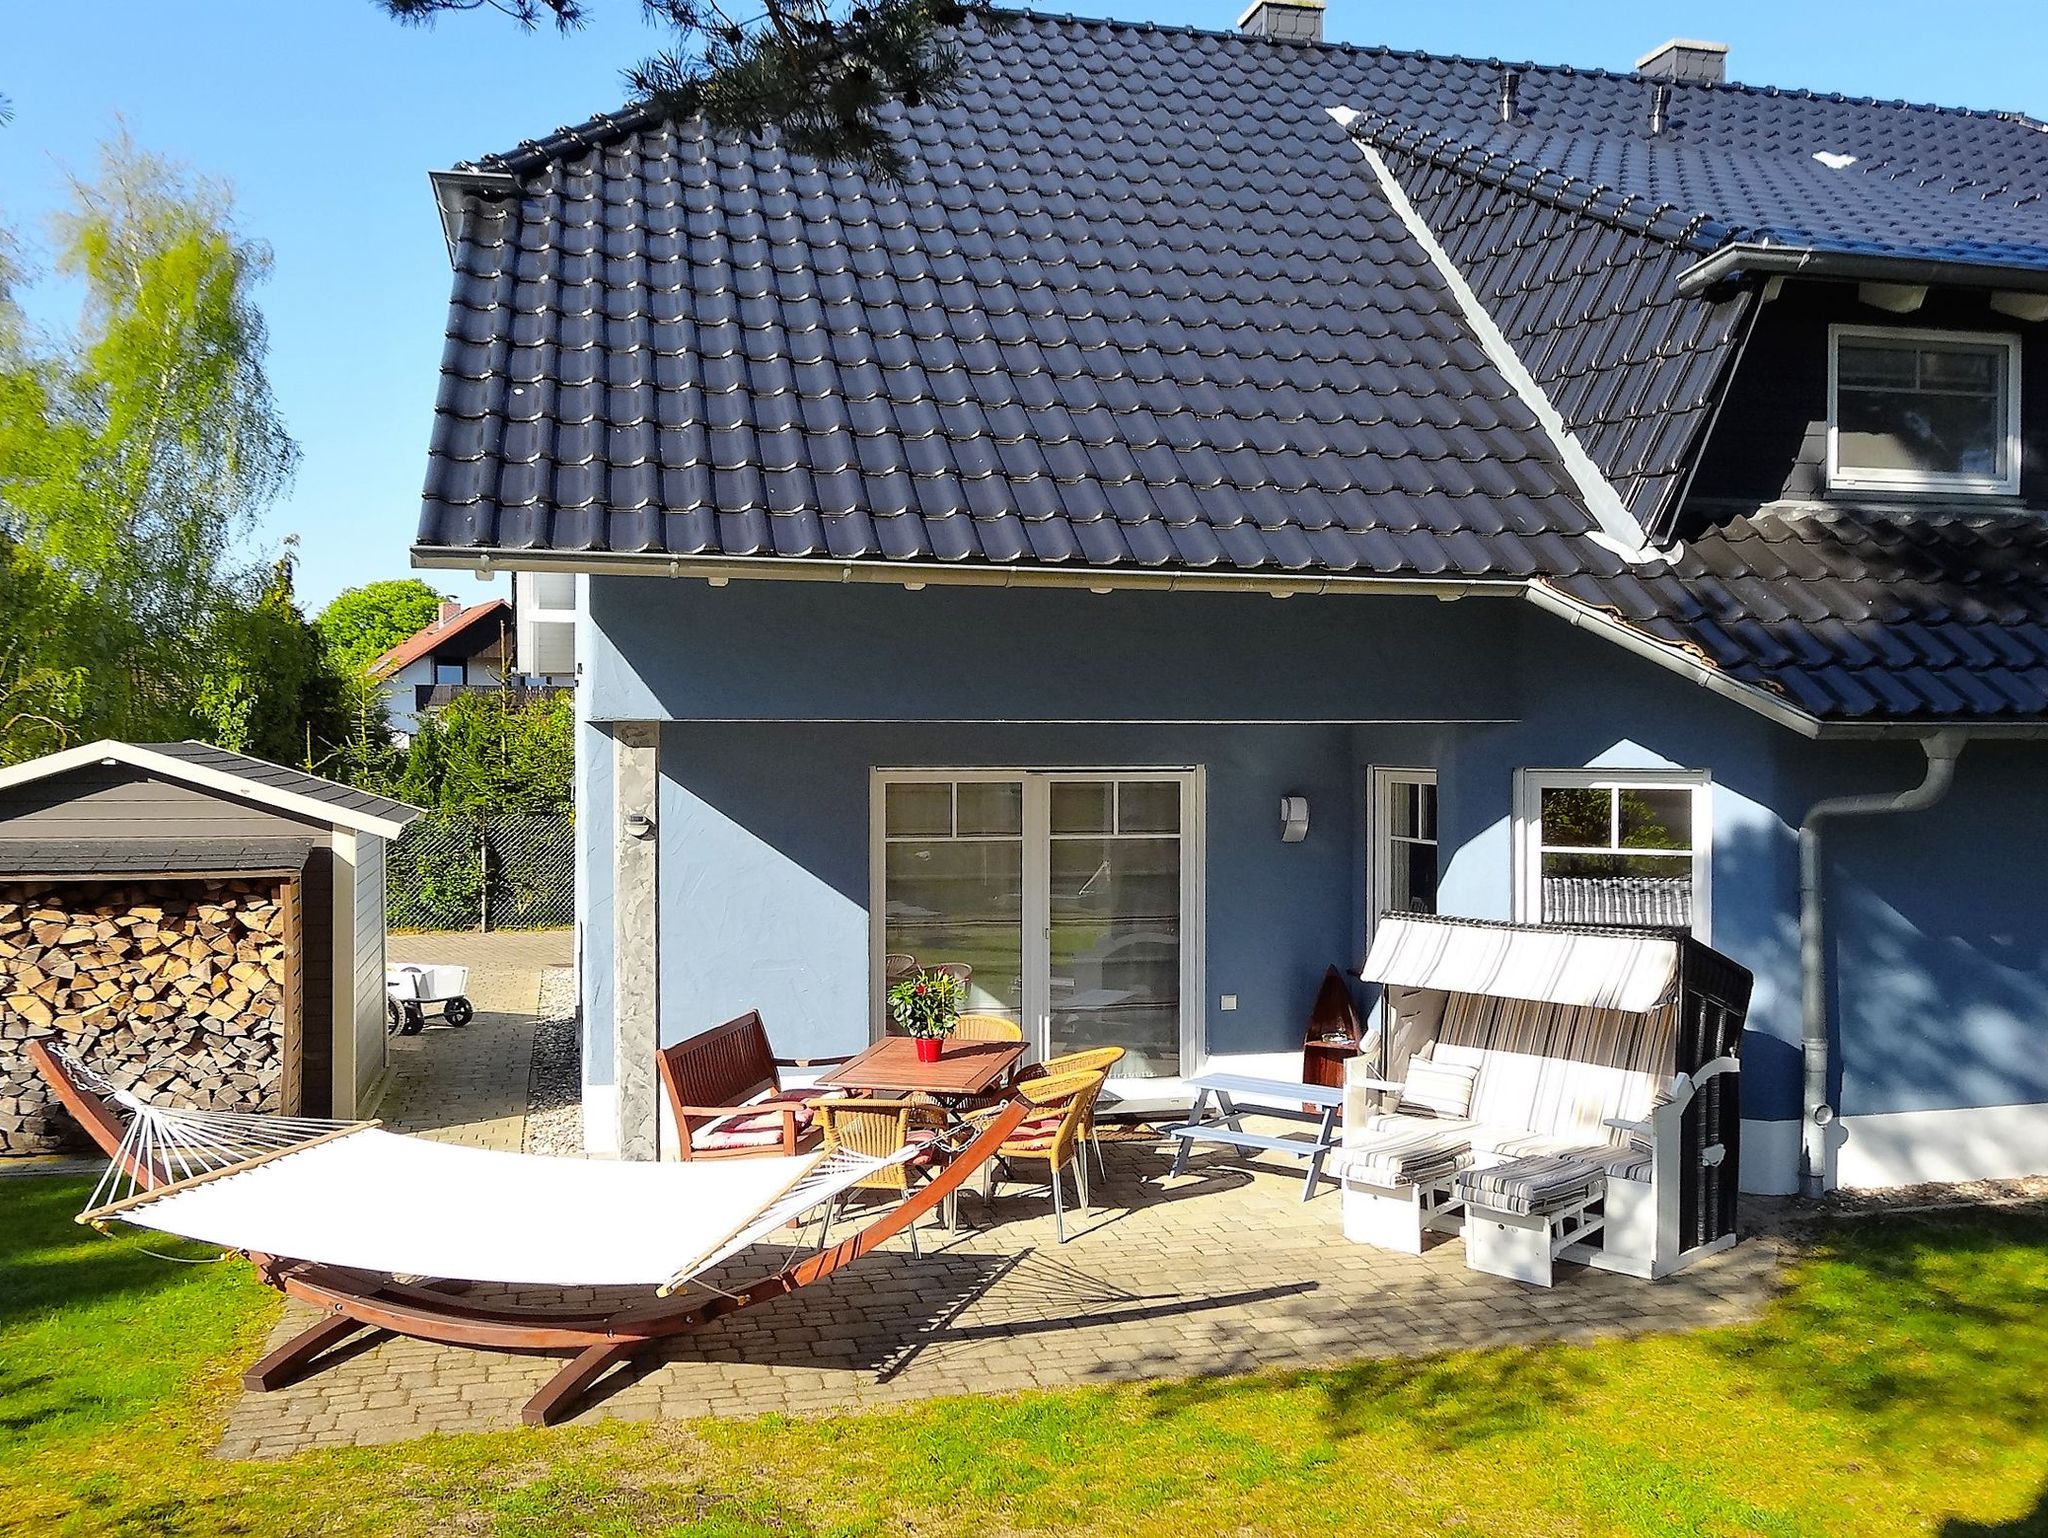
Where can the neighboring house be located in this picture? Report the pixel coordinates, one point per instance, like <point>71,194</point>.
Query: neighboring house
<point>463,649</point>
<point>545,635</point>
<point>528,645</point>
<point>1643,460</point>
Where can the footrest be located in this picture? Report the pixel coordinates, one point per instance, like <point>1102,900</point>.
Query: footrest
<point>1534,1186</point>
<point>1522,1213</point>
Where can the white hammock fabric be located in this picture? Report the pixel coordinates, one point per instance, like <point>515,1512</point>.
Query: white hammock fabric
<point>352,1195</point>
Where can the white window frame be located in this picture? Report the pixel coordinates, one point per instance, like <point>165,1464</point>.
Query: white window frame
<point>1037,915</point>
<point>1528,825</point>
<point>1379,825</point>
<point>1866,479</point>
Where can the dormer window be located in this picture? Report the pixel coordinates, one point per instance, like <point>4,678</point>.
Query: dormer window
<point>1923,410</point>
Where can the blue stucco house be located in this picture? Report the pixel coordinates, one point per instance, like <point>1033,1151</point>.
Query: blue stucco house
<point>1582,496</point>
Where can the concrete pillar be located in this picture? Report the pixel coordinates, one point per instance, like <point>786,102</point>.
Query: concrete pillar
<point>636,950</point>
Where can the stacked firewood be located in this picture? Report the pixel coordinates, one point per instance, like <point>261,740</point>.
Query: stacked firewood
<point>175,989</point>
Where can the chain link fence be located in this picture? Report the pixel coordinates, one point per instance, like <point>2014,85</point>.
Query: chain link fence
<point>458,872</point>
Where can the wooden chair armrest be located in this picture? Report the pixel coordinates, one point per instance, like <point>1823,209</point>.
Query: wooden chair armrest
<point>1625,1124</point>
<point>784,1111</point>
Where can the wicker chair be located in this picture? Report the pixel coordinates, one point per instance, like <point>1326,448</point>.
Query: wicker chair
<point>1054,1135</point>
<point>1088,1060</point>
<point>977,1027</point>
<point>724,1088</point>
<point>898,964</point>
<point>959,969</point>
<point>879,1128</point>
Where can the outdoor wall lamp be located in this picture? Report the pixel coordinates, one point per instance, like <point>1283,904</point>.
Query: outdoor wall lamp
<point>639,825</point>
<point>1293,819</point>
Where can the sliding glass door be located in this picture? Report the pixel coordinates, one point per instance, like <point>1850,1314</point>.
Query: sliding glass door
<point>1067,895</point>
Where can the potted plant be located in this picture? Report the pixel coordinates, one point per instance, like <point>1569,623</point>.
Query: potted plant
<point>925,1005</point>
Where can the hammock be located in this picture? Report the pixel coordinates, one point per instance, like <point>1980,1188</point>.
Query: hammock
<point>349,1194</point>
<point>347,1217</point>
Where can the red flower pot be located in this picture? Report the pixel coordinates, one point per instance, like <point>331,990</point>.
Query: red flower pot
<point>928,1049</point>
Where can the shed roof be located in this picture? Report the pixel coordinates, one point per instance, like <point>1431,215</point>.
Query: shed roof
<point>73,859</point>
<point>217,769</point>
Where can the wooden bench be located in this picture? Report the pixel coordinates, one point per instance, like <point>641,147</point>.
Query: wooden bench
<point>724,1088</point>
<point>1226,1124</point>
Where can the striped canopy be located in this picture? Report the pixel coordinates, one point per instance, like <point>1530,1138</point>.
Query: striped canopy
<point>1602,971</point>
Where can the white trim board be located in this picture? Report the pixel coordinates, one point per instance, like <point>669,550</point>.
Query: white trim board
<point>1619,530</point>
<point>1900,1148</point>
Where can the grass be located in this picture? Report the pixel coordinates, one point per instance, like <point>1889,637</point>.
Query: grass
<point>1900,1386</point>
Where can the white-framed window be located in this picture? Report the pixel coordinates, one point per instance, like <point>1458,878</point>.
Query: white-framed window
<point>1912,410</point>
<point>1597,846</point>
<point>451,670</point>
<point>1402,875</point>
<point>1073,897</point>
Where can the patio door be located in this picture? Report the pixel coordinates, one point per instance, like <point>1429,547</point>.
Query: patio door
<point>1070,895</point>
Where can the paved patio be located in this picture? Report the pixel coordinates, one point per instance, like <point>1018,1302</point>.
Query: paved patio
<point>1224,1270</point>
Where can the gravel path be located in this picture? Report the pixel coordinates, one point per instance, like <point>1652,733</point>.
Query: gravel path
<point>554,1092</point>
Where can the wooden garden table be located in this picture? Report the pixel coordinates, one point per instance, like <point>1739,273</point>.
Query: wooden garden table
<point>964,1070</point>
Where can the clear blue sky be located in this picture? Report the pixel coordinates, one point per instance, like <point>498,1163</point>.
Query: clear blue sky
<point>325,117</point>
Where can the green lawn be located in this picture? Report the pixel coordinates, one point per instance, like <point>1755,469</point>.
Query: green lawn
<point>1900,1387</point>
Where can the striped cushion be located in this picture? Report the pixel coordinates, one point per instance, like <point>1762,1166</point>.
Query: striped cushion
<point>1437,1089</point>
<point>1404,1150</point>
<point>1539,1183</point>
<point>759,1127</point>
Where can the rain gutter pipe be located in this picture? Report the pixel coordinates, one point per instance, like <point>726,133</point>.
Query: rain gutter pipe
<point>1942,750</point>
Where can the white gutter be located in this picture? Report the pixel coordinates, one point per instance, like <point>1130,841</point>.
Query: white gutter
<point>1942,750</point>
<point>1673,659</point>
<point>918,574</point>
<point>1619,530</point>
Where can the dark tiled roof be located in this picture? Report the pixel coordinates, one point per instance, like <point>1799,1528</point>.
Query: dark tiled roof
<point>71,858</point>
<point>1143,304</point>
<point>1593,310</point>
<point>1859,614</point>
<point>277,777</point>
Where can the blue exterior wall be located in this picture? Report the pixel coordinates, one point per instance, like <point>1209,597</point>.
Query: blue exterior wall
<point>784,696</point>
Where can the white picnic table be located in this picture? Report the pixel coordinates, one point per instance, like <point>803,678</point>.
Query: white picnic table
<point>1216,1117</point>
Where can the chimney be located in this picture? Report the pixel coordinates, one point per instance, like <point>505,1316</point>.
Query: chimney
<point>449,609</point>
<point>1297,21</point>
<point>1684,59</point>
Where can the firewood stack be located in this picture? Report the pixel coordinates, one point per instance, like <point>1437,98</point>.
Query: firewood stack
<point>176,989</point>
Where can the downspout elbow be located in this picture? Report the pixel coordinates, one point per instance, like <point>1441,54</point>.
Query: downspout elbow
<point>1942,750</point>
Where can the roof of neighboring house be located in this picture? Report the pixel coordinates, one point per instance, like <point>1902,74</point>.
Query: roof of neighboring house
<point>207,767</point>
<point>431,638</point>
<point>74,858</point>
<point>1145,305</point>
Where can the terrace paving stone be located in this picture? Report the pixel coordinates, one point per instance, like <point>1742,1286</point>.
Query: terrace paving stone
<point>999,1307</point>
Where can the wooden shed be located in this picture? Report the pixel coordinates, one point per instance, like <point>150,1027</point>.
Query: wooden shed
<point>203,924</point>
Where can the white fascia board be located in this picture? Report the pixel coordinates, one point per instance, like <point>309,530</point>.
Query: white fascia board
<point>1618,529</point>
<point>108,750</point>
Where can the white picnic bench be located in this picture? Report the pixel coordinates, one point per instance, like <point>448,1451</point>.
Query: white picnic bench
<point>1216,1117</point>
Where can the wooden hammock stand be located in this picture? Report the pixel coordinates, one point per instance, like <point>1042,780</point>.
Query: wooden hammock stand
<point>355,1301</point>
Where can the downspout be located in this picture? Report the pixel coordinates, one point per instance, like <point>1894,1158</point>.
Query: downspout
<point>1942,750</point>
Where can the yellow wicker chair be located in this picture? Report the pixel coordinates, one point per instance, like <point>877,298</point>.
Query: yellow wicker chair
<point>878,1128</point>
<point>898,964</point>
<point>1102,1060</point>
<point>977,1027</point>
<point>1053,1135</point>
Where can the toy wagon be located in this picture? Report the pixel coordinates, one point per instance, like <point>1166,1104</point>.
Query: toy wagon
<point>411,990</point>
